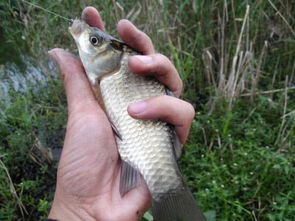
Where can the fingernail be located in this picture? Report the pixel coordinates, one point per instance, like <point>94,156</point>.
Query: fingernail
<point>53,54</point>
<point>137,108</point>
<point>143,59</point>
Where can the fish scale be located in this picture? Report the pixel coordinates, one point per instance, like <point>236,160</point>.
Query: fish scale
<point>145,145</point>
<point>147,148</point>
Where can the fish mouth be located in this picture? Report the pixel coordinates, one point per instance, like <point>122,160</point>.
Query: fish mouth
<point>78,26</point>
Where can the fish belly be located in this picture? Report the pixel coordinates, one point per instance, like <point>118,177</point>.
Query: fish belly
<point>145,145</point>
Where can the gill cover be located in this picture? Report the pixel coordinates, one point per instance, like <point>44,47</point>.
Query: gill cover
<point>100,52</point>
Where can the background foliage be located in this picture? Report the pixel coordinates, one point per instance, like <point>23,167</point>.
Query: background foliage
<point>236,59</point>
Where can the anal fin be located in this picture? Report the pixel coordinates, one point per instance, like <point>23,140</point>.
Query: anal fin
<point>130,178</point>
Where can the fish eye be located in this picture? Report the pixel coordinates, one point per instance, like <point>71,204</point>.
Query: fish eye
<point>94,40</point>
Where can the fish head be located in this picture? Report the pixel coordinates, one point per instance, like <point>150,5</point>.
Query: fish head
<point>100,53</point>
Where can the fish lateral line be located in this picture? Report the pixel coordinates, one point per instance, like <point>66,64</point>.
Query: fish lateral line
<point>48,11</point>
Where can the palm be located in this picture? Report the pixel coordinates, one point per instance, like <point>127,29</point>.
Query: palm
<point>92,172</point>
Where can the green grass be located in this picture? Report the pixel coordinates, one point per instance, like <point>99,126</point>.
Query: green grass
<point>241,173</point>
<point>26,121</point>
<point>239,159</point>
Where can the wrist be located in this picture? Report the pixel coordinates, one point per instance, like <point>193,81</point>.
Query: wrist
<point>67,208</point>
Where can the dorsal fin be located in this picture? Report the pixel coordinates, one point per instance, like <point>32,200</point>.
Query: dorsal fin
<point>116,44</point>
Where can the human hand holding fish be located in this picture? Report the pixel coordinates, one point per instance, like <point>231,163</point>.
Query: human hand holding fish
<point>89,170</point>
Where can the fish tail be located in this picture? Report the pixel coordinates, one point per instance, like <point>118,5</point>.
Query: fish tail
<point>179,206</point>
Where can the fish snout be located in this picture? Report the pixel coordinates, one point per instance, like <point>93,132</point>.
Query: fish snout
<point>77,27</point>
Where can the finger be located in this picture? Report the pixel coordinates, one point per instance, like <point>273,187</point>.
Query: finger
<point>170,109</point>
<point>134,37</point>
<point>78,91</point>
<point>159,66</point>
<point>92,17</point>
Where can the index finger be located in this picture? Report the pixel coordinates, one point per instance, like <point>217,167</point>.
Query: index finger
<point>92,17</point>
<point>135,38</point>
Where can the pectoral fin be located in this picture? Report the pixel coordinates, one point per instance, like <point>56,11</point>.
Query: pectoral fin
<point>115,130</point>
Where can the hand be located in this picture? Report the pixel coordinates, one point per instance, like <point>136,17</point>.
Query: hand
<point>89,169</point>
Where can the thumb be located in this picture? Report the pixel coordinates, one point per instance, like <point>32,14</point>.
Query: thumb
<point>78,90</point>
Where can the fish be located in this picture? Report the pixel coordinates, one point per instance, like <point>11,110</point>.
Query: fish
<point>148,149</point>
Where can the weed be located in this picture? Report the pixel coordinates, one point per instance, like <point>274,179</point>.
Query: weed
<point>236,59</point>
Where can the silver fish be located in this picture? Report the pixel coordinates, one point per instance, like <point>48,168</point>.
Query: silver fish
<point>147,148</point>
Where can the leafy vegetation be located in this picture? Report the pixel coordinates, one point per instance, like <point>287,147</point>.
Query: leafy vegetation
<point>27,126</point>
<point>236,59</point>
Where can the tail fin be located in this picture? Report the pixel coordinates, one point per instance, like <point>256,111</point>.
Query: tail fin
<point>179,206</point>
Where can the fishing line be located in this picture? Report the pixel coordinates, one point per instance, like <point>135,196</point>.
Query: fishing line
<point>46,10</point>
